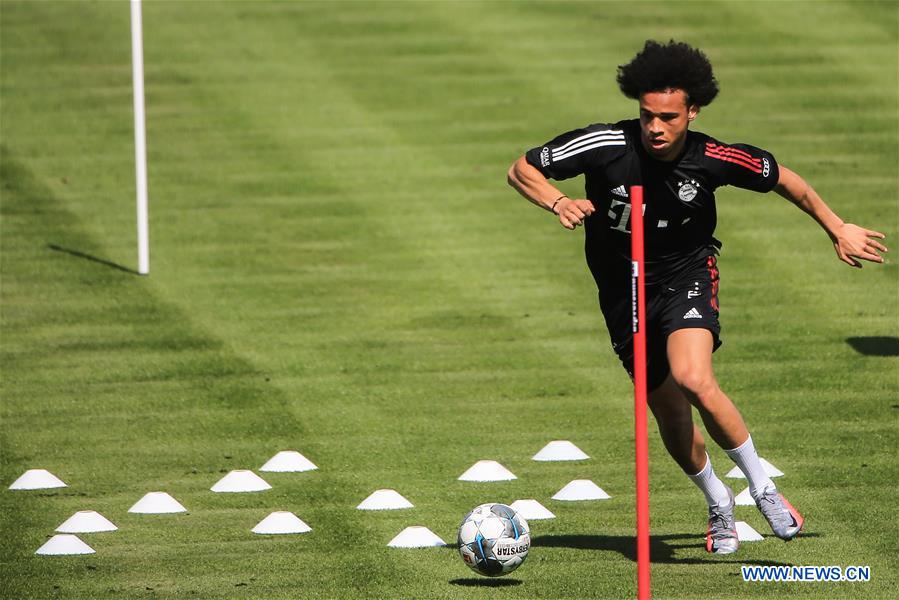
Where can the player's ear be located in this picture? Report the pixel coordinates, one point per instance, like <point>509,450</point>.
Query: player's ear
<point>692,112</point>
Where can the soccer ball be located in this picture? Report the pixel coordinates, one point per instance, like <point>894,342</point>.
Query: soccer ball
<point>494,539</point>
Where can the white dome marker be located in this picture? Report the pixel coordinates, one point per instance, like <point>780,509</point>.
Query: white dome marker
<point>86,521</point>
<point>64,544</point>
<point>487,470</point>
<point>241,481</point>
<point>745,533</point>
<point>416,537</point>
<point>581,489</point>
<point>744,498</point>
<point>532,510</point>
<point>155,503</point>
<point>37,479</point>
<point>384,500</point>
<point>770,471</point>
<point>288,461</point>
<point>560,450</point>
<point>281,522</point>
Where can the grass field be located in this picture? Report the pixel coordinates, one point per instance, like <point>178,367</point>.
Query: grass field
<point>338,267</point>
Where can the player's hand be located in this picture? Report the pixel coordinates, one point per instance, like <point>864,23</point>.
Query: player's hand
<point>853,242</point>
<point>573,212</point>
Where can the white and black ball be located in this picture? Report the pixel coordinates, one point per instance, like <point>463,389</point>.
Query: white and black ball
<point>494,539</point>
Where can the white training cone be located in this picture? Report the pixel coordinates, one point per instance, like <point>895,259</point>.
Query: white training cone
<point>560,450</point>
<point>581,489</point>
<point>63,544</point>
<point>281,522</point>
<point>86,521</point>
<point>770,471</point>
<point>241,481</point>
<point>384,500</point>
<point>37,479</point>
<point>745,533</point>
<point>531,510</point>
<point>288,461</point>
<point>157,503</point>
<point>416,537</point>
<point>487,470</point>
<point>744,498</point>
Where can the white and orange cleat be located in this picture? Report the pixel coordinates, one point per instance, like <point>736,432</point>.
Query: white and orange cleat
<point>785,521</point>
<point>721,537</point>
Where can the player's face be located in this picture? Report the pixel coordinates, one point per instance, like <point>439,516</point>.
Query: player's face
<point>664,118</point>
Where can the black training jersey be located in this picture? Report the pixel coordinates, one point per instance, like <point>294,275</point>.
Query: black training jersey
<point>678,196</point>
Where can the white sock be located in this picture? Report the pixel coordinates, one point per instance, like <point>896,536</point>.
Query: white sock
<point>715,491</point>
<point>748,460</point>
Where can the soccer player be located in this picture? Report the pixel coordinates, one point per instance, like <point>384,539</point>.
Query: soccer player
<point>679,170</point>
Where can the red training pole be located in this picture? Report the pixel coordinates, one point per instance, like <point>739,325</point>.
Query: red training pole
<point>638,300</point>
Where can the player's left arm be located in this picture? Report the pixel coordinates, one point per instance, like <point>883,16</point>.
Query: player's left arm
<point>850,241</point>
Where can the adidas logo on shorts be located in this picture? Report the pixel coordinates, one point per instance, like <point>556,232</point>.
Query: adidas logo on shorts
<point>692,314</point>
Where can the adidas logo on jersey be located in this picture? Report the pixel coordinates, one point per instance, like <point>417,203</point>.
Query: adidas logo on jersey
<point>692,314</point>
<point>620,191</point>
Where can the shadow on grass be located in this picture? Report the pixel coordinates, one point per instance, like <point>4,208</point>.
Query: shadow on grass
<point>661,548</point>
<point>485,582</point>
<point>91,258</point>
<point>875,345</point>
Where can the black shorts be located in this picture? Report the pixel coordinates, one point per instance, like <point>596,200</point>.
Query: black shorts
<point>688,301</point>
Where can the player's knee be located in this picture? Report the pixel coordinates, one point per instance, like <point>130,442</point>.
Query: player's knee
<point>698,385</point>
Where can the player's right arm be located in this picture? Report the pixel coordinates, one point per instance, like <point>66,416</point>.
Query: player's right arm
<point>567,155</point>
<point>530,183</point>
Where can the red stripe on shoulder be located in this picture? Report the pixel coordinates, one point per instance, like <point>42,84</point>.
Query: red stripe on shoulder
<point>731,151</point>
<point>735,160</point>
<point>725,153</point>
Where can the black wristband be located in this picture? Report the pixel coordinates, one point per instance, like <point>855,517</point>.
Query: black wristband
<point>559,199</point>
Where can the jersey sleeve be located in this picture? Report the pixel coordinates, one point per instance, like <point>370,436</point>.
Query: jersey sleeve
<point>742,165</point>
<point>577,151</point>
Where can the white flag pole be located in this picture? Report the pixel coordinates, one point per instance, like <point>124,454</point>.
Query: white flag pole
<point>140,139</point>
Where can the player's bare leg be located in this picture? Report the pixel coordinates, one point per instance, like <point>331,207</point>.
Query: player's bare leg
<point>674,416</point>
<point>690,358</point>
<point>684,442</point>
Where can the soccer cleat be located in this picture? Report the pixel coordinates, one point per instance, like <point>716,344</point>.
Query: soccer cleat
<point>721,537</point>
<point>785,521</point>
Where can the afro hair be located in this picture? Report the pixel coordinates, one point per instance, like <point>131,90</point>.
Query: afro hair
<point>675,65</point>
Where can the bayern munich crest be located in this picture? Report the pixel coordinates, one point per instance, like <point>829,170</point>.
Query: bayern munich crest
<point>687,190</point>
